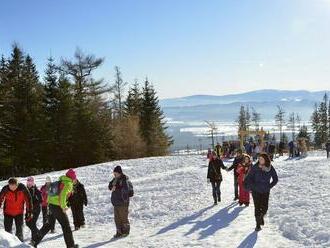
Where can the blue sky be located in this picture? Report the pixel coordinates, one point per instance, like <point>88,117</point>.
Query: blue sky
<point>185,47</point>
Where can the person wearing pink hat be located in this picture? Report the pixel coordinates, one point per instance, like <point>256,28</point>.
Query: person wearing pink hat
<point>36,205</point>
<point>57,202</point>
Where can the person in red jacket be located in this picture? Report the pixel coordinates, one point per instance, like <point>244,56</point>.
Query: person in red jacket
<point>44,203</point>
<point>15,195</point>
<point>242,170</point>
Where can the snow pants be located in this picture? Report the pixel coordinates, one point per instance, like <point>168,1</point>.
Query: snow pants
<point>8,224</point>
<point>78,215</point>
<point>244,195</point>
<point>260,205</point>
<point>121,219</point>
<point>56,213</point>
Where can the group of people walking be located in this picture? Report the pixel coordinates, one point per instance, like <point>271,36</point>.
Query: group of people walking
<point>257,179</point>
<point>53,200</point>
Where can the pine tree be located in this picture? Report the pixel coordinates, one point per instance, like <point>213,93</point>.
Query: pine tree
<point>152,123</point>
<point>90,108</point>
<point>315,119</point>
<point>280,119</point>
<point>323,119</point>
<point>133,103</point>
<point>256,118</point>
<point>21,111</point>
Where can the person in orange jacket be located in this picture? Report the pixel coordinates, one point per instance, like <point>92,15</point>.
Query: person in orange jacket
<point>242,170</point>
<point>15,195</point>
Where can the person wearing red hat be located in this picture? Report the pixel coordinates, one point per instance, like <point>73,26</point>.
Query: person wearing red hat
<point>57,202</point>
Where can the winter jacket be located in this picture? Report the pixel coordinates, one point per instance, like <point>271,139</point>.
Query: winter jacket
<point>35,196</point>
<point>237,161</point>
<point>14,200</point>
<point>44,195</point>
<point>214,170</point>
<point>242,171</point>
<point>65,191</point>
<point>258,180</point>
<point>78,196</point>
<point>119,197</point>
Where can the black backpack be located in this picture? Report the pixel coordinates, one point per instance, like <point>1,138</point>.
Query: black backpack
<point>130,188</point>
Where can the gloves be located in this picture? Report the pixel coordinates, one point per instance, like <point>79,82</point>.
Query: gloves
<point>28,216</point>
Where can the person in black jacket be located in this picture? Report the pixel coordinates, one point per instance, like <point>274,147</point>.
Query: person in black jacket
<point>77,200</point>
<point>36,205</point>
<point>261,178</point>
<point>119,188</point>
<point>238,160</point>
<point>214,176</point>
<point>327,148</point>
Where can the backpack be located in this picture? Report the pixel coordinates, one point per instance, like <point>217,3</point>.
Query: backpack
<point>130,188</point>
<point>54,188</point>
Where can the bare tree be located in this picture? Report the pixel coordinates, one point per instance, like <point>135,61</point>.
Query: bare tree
<point>118,89</point>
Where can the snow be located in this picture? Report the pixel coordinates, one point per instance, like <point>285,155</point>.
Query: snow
<point>172,207</point>
<point>9,240</point>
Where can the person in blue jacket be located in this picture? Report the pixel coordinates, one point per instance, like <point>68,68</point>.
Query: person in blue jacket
<point>260,180</point>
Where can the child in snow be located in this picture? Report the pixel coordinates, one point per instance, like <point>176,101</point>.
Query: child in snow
<point>259,181</point>
<point>15,195</point>
<point>238,160</point>
<point>44,205</point>
<point>57,203</point>
<point>77,200</point>
<point>242,170</point>
<point>214,176</point>
<point>120,194</point>
<point>36,203</point>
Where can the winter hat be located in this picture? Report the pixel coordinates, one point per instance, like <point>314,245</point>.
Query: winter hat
<point>118,170</point>
<point>48,179</point>
<point>71,174</point>
<point>30,182</point>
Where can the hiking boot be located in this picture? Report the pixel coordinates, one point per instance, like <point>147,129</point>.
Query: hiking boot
<point>236,198</point>
<point>240,203</point>
<point>76,228</point>
<point>219,199</point>
<point>247,204</point>
<point>258,228</point>
<point>117,235</point>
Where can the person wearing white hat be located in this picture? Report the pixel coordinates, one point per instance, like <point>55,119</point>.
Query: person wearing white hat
<point>44,204</point>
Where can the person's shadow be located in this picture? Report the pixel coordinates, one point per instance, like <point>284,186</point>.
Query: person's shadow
<point>249,241</point>
<point>185,221</point>
<point>216,222</point>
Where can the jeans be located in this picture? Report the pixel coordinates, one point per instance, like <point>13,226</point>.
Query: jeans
<point>216,191</point>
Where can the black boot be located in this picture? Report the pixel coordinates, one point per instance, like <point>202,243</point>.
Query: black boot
<point>219,199</point>
<point>258,228</point>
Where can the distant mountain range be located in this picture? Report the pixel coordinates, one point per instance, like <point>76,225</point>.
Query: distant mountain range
<point>225,108</point>
<point>252,96</point>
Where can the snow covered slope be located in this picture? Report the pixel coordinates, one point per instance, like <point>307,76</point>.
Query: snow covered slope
<point>173,207</point>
